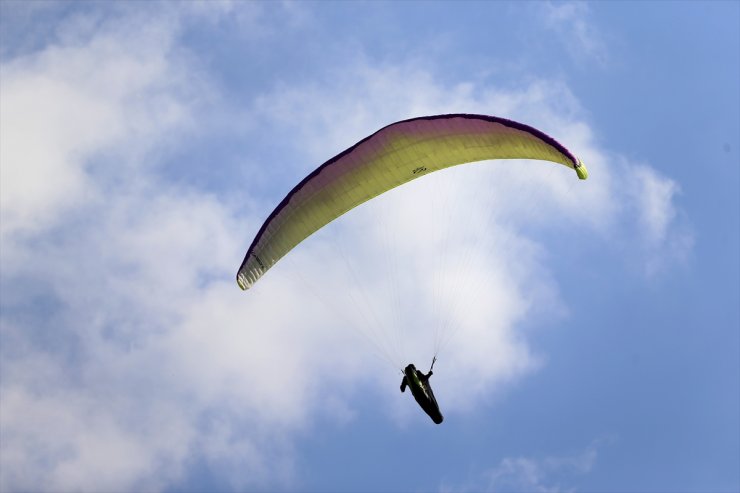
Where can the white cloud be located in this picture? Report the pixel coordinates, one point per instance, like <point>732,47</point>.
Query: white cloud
<point>86,96</point>
<point>106,261</point>
<point>128,352</point>
<point>666,238</point>
<point>573,24</point>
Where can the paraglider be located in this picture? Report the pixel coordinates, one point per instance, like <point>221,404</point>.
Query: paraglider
<point>392,156</point>
<point>422,390</point>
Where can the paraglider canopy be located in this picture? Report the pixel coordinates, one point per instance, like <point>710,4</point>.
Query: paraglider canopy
<point>392,156</point>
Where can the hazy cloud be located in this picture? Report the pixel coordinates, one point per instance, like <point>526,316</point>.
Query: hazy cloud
<point>574,26</point>
<point>666,236</point>
<point>552,474</point>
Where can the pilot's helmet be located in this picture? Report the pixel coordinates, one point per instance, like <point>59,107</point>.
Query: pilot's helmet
<point>410,368</point>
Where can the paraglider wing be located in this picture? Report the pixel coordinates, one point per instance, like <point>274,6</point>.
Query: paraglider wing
<point>390,157</point>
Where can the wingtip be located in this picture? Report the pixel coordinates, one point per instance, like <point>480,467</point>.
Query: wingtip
<point>242,282</point>
<point>581,170</point>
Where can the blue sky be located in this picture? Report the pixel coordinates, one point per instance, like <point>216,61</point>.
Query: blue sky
<point>595,325</point>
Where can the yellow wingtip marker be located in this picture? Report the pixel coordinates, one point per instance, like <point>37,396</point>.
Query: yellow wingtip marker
<point>581,170</point>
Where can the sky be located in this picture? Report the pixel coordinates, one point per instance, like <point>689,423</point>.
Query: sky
<point>588,331</point>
